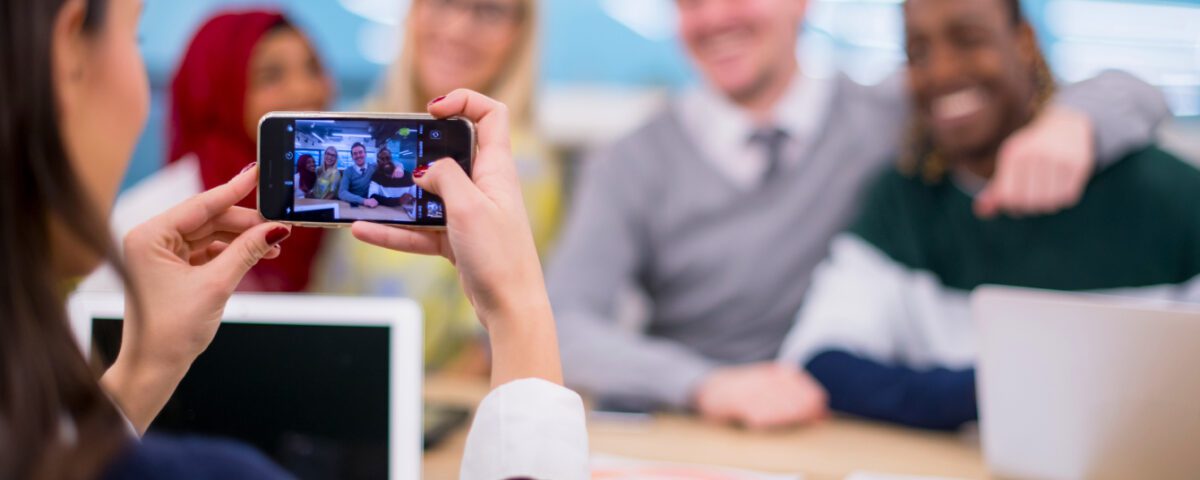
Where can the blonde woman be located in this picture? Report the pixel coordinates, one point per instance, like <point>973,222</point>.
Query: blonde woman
<point>484,45</point>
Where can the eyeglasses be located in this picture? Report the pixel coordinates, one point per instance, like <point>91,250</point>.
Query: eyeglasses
<point>488,13</point>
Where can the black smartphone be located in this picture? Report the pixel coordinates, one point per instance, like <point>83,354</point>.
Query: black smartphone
<point>326,169</point>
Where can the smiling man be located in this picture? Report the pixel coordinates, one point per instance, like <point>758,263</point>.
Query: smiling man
<point>722,205</point>
<point>887,327</point>
<point>356,180</point>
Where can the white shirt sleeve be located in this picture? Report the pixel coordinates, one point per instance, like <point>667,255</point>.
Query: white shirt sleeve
<point>857,301</point>
<point>528,428</point>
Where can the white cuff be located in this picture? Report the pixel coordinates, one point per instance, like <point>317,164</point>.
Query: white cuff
<point>528,428</point>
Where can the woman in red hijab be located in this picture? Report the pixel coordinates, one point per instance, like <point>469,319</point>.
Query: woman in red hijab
<point>238,67</point>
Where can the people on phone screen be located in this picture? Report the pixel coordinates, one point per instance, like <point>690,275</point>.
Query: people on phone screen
<point>306,175</point>
<point>356,180</point>
<point>391,185</point>
<point>329,177</point>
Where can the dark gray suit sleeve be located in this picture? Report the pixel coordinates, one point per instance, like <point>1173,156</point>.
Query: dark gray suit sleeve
<point>1125,112</point>
<point>599,254</point>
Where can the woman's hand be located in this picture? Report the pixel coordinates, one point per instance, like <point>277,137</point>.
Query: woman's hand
<point>184,264</point>
<point>487,237</point>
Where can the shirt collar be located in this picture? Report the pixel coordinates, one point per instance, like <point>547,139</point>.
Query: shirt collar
<point>722,129</point>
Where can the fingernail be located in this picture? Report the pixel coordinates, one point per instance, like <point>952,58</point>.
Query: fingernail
<point>248,166</point>
<point>277,235</point>
<point>438,99</point>
<point>420,171</point>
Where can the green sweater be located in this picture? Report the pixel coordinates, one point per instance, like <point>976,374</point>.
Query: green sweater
<point>886,328</point>
<point>1137,225</point>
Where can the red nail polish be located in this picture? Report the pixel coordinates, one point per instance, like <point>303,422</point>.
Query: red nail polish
<point>277,235</point>
<point>248,166</point>
<point>438,99</point>
<point>420,171</point>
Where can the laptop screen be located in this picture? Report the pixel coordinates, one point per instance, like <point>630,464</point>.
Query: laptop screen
<point>312,397</point>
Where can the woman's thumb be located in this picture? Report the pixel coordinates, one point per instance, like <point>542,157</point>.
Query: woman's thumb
<point>445,178</point>
<point>248,248</point>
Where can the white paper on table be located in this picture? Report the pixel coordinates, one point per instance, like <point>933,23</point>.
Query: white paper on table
<point>611,467</point>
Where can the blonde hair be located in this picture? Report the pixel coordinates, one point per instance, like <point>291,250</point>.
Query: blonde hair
<point>400,90</point>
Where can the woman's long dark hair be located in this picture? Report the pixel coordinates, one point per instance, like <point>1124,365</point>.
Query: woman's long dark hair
<point>55,421</point>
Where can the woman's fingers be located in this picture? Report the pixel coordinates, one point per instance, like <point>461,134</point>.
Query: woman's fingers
<point>490,116</point>
<point>199,210</point>
<point>445,178</point>
<point>411,241</point>
<point>244,252</point>
<point>203,255</point>
<point>491,122</point>
<point>234,220</point>
<point>201,243</point>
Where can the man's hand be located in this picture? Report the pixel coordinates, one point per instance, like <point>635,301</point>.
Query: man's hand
<point>761,396</point>
<point>1042,168</point>
<point>371,203</point>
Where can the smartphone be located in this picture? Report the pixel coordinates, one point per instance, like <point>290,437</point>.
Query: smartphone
<point>326,169</point>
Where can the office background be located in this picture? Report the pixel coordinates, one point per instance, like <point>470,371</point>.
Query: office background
<point>607,63</point>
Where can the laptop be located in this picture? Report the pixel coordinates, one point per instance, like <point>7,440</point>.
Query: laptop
<point>1078,386</point>
<point>328,387</point>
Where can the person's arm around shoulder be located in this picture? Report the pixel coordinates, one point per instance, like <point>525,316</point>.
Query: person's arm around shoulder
<point>1044,167</point>
<point>530,425</point>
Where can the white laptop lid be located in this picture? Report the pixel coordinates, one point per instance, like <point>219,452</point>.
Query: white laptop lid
<point>1075,386</point>
<point>326,386</point>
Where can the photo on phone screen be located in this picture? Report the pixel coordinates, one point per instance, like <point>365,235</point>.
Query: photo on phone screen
<point>338,169</point>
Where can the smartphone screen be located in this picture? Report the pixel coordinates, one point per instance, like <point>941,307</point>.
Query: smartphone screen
<point>329,169</point>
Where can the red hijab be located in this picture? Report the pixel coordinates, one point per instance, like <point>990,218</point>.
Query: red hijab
<point>207,120</point>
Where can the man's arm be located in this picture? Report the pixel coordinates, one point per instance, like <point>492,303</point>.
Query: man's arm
<point>937,399</point>
<point>344,192</point>
<point>847,340</point>
<point>1045,166</point>
<point>599,254</point>
<point>1124,111</point>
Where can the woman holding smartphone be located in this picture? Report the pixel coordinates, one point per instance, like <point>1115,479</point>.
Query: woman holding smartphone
<point>238,66</point>
<point>489,46</point>
<point>76,100</point>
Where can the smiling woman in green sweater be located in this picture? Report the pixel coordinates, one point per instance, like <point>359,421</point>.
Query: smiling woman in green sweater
<point>886,329</point>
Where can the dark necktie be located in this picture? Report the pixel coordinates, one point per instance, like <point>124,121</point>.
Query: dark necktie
<point>772,140</point>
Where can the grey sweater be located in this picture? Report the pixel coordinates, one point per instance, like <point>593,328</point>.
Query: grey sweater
<point>354,185</point>
<point>726,268</point>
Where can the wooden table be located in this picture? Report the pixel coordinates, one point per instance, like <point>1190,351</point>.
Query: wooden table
<point>824,452</point>
<point>346,212</point>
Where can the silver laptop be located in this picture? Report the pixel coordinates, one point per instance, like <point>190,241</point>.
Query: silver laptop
<point>328,387</point>
<point>1075,386</point>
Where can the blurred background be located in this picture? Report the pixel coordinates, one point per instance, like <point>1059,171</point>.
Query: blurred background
<point>607,63</point>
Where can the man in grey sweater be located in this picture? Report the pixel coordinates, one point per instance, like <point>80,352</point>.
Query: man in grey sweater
<point>721,206</point>
<point>356,180</point>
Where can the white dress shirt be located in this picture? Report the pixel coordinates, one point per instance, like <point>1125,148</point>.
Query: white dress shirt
<point>722,130</point>
<point>528,428</point>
